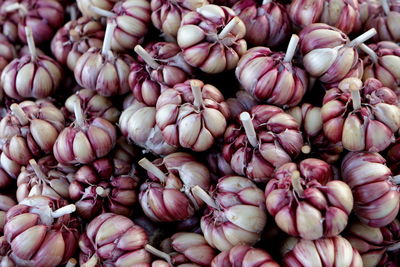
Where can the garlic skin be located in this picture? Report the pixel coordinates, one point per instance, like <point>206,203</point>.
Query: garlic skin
<point>244,255</point>
<point>7,52</point>
<point>306,202</point>
<point>167,15</point>
<point>313,253</point>
<point>369,124</point>
<point>6,203</point>
<point>266,24</point>
<point>305,12</point>
<point>276,133</point>
<point>342,14</point>
<point>385,22</point>
<point>211,38</point>
<point>85,6</point>
<point>75,38</point>
<point>197,115</point>
<point>112,239</point>
<point>375,202</point>
<point>235,214</point>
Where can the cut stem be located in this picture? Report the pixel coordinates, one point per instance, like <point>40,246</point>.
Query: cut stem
<point>102,12</point>
<point>36,168</point>
<point>200,193</point>
<point>146,57</point>
<point>101,191</point>
<point>92,262</point>
<point>297,184</point>
<point>353,85</point>
<point>20,114</point>
<point>79,114</point>
<point>108,37</point>
<point>16,6</point>
<point>385,7</point>
<point>196,91</point>
<point>393,247</point>
<point>71,263</point>
<point>158,253</point>
<point>396,179</point>
<point>228,28</point>
<point>73,12</point>
<point>306,149</point>
<point>249,128</point>
<point>63,211</point>
<point>370,52</point>
<point>294,40</point>
<point>153,169</point>
<point>31,43</point>
<point>362,38</point>
<point>264,2</point>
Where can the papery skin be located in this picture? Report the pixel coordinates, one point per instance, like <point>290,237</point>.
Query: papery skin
<point>368,8</point>
<point>373,243</point>
<point>172,199</point>
<point>6,203</point>
<point>26,78</point>
<point>54,184</point>
<point>84,144</point>
<point>305,12</point>
<point>167,15</point>
<point>84,6</point>
<point>38,239</point>
<point>243,101</point>
<point>138,124</point>
<point>244,255</point>
<point>270,79</point>
<point>280,140</point>
<point>118,191</point>
<point>75,38</point>
<point>267,24</point>
<point>375,131</point>
<point>108,75</point>
<point>43,16</point>
<point>114,240</point>
<point>385,68</point>
<point>334,251</point>
<point>147,83</point>
<point>393,156</point>
<point>93,105</point>
<point>376,196</point>
<point>188,249</point>
<point>34,139</point>
<point>201,46</point>
<point>132,18</point>
<point>320,211</point>
<point>240,214</point>
<point>7,52</point>
<point>342,14</point>
<point>385,24</point>
<point>190,126</point>
<point>310,119</point>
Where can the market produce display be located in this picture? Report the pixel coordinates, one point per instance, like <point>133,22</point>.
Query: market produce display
<point>195,133</point>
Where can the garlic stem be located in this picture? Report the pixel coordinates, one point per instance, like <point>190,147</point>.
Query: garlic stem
<point>79,114</point>
<point>196,91</point>
<point>73,12</point>
<point>396,179</point>
<point>101,192</point>
<point>153,169</point>
<point>266,2</point>
<point>16,6</point>
<point>102,12</point>
<point>296,183</point>
<point>19,113</point>
<point>353,85</point>
<point>36,168</point>
<point>370,52</point>
<point>63,211</point>
<point>92,262</point>
<point>71,263</point>
<point>294,40</point>
<point>393,247</point>
<point>158,253</point>
<point>146,57</point>
<point>200,193</point>
<point>108,37</point>
<point>306,149</point>
<point>385,6</point>
<point>228,28</point>
<point>249,128</point>
<point>31,43</point>
<point>73,35</point>
<point>362,38</point>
